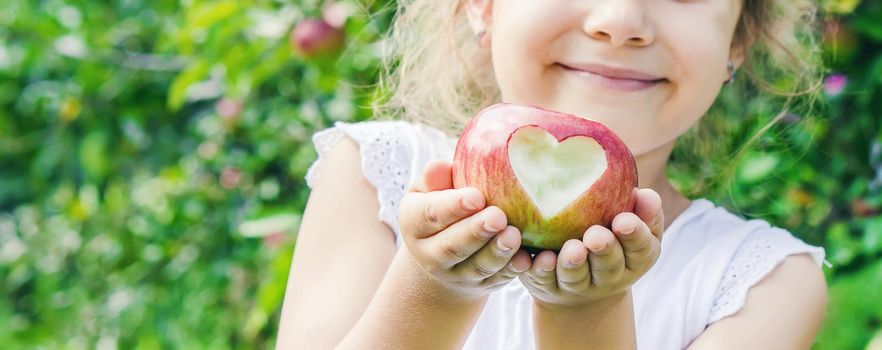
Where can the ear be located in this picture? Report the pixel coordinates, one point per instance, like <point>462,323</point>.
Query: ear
<point>479,14</point>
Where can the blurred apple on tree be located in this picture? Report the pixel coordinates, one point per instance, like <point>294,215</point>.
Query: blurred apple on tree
<point>315,38</point>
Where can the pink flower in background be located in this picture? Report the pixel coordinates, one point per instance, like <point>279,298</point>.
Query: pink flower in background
<point>228,108</point>
<point>230,178</point>
<point>835,84</point>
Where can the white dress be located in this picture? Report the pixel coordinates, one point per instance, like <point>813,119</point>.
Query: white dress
<point>709,257</point>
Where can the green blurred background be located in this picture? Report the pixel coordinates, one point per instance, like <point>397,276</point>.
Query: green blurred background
<point>152,156</point>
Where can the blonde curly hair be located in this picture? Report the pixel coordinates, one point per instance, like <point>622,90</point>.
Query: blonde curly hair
<point>435,74</point>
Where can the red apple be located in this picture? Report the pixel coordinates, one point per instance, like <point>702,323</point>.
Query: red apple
<point>313,37</point>
<point>553,174</point>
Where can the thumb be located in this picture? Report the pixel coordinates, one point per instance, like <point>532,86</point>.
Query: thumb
<point>649,209</point>
<point>437,175</point>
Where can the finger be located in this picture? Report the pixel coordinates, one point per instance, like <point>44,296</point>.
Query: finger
<point>462,239</point>
<point>541,276</point>
<point>519,263</point>
<point>422,215</point>
<point>649,209</point>
<point>572,269</point>
<point>437,175</point>
<point>606,259</point>
<point>492,257</point>
<point>639,245</point>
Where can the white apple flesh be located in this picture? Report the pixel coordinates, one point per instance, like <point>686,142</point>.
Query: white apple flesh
<point>553,174</point>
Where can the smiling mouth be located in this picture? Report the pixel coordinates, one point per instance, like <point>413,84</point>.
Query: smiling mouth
<point>613,83</point>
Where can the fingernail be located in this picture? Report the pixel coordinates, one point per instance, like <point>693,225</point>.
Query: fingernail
<point>487,231</point>
<point>469,204</point>
<point>517,269</point>
<point>489,228</point>
<point>572,263</point>
<point>547,268</point>
<point>628,230</point>
<point>601,248</point>
<point>502,246</point>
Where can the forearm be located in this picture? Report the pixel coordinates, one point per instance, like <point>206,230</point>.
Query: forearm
<point>410,311</point>
<point>609,325</point>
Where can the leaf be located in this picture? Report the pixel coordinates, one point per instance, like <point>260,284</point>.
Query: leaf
<point>872,238</point>
<point>270,64</point>
<point>270,293</point>
<point>757,167</point>
<point>211,13</point>
<point>840,6</point>
<point>842,248</point>
<point>177,92</point>
<point>868,26</point>
<point>93,154</point>
<point>270,224</point>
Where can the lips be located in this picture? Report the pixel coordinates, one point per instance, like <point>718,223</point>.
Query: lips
<point>614,78</point>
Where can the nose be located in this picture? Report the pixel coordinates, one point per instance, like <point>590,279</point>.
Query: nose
<point>620,22</point>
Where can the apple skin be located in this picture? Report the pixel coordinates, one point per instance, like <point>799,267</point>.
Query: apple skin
<point>481,160</point>
<point>315,38</point>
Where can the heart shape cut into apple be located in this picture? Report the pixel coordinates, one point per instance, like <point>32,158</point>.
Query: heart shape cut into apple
<point>553,174</point>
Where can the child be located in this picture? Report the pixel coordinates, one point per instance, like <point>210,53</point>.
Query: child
<point>389,256</point>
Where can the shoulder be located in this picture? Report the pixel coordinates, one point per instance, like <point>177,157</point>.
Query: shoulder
<point>765,281</point>
<point>383,147</point>
<point>731,254</point>
<point>784,310</point>
<point>757,256</point>
<point>340,157</point>
<point>391,153</point>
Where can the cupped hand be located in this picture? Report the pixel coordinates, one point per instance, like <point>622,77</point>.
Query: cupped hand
<point>605,262</point>
<point>462,244</point>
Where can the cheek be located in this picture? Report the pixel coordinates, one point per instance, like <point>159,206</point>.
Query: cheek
<point>506,59</point>
<point>702,71</point>
<point>520,53</point>
<point>701,59</point>
<point>521,75</point>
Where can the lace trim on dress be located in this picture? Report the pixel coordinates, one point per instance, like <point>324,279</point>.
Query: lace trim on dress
<point>755,258</point>
<point>386,152</point>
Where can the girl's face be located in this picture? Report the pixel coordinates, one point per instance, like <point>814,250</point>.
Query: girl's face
<point>648,69</point>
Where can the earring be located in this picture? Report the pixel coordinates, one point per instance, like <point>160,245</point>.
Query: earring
<point>480,36</point>
<point>731,68</point>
